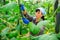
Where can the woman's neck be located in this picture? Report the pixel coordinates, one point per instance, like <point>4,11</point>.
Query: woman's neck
<point>37,19</point>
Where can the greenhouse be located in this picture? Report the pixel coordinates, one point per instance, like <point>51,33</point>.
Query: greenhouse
<point>29,19</point>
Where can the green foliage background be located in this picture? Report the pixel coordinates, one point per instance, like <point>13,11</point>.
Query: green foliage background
<point>12,26</point>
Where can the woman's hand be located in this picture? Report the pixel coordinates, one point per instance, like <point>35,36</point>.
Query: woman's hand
<point>22,7</point>
<point>24,12</point>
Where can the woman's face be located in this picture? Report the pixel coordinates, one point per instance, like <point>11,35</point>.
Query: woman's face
<point>38,14</point>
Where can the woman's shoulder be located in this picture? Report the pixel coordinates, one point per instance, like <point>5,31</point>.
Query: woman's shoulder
<point>44,22</point>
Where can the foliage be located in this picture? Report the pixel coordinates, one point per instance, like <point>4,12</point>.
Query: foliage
<point>13,28</point>
<point>33,28</point>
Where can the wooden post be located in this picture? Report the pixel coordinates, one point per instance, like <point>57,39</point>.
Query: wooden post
<point>57,28</point>
<point>56,5</point>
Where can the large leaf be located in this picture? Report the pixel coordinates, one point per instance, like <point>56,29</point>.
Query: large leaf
<point>43,23</point>
<point>48,37</point>
<point>12,34</point>
<point>5,31</point>
<point>33,28</point>
<point>25,38</point>
<point>24,31</point>
<point>45,37</point>
<point>9,6</point>
<point>13,38</point>
<point>58,35</point>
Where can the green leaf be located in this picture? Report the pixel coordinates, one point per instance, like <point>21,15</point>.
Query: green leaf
<point>13,38</point>
<point>24,31</point>
<point>9,6</point>
<point>48,37</point>
<point>18,27</point>
<point>33,28</point>
<point>25,38</point>
<point>58,35</point>
<point>12,34</point>
<point>5,31</point>
<point>43,23</point>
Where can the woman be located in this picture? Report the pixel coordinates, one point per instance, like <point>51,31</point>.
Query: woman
<point>39,16</point>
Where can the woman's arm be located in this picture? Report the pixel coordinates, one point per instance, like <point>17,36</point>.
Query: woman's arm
<point>25,13</point>
<point>30,18</point>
